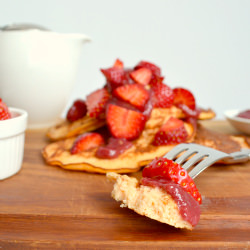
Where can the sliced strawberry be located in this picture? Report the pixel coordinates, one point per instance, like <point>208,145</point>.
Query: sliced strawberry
<point>141,75</point>
<point>114,75</point>
<point>172,132</point>
<point>118,64</point>
<point>86,141</point>
<point>184,97</point>
<point>96,102</point>
<point>124,123</point>
<point>167,169</point>
<point>154,69</point>
<point>134,94</point>
<point>155,80</point>
<point>77,110</point>
<point>162,96</point>
<point>4,111</point>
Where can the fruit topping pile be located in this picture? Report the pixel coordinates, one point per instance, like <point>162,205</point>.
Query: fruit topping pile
<point>126,102</point>
<point>4,111</point>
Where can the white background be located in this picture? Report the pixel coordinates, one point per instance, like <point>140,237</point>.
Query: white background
<point>202,45</point>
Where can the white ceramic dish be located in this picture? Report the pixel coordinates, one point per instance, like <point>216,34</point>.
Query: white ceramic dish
<point>241,124</point>
<point>12,137</point>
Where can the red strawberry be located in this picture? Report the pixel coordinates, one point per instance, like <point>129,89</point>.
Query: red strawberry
<point>162,96</point>
<point>141,76</point>
<point>154,69</point>
<point>86,141</point>
<point>184,97</point>
<point>4,111</point>
<point>134,94</point>
<point>77,110</point>
<point>155,80</point>
<point>118,64</point>
<point>124,123</point>
<point>114,75</point>
<point>96,102</point>
<point>172,132</point>
<point>170,170</point>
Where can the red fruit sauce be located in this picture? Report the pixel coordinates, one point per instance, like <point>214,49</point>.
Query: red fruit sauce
<point>244,114</point>
<point>114,148</point>
<point>188,206</point>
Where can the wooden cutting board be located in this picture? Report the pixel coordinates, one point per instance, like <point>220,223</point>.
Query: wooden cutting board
<point>48,207</point>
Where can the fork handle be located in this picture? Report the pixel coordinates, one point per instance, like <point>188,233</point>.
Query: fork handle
<point>238,157</point>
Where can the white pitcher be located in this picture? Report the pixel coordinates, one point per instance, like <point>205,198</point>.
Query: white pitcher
<point>38,70</point>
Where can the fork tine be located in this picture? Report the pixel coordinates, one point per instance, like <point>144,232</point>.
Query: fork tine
<point>176,151</point>
<point>186,155</point>
<point>196,158</point>
<point>197,152</point>
<point>200,167</point>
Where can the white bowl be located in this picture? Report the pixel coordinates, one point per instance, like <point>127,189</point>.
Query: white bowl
<point>12,137</point>
<point>241,124</point>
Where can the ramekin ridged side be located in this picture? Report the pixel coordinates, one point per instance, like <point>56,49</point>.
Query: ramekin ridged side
<point>12,139</point>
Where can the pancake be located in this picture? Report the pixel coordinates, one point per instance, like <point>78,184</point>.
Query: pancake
<point>219,141</point>
<point>140,154</point>
<point>66,129</point>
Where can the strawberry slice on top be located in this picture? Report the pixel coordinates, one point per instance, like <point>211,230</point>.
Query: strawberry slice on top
<point>162,96</point>
<point>77,110</point>
<point>155,80</point>
<point>96,102</point>
<point>135,94</point>
<point>114,75</point>
<point>117,75</point>
<point>118,64</point>
<point>86,142</point>
<point>123,122</point>
<point>154,69</point>
<point>184,97</point>
<point>172,132</point>
<point>163,168</point>
<point>167,169</point>
<point>141,75</point>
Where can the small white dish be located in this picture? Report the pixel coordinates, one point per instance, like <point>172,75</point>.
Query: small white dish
<point>241,124</point>
<point>12,137</point>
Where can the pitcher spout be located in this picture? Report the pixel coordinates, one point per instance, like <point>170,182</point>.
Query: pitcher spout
<point>81,37</point>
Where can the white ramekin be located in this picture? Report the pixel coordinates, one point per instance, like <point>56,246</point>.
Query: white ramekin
<point>241,124</point>
<point>12,137</point>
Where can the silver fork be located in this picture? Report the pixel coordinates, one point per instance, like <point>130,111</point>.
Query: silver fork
<point>193,153</point>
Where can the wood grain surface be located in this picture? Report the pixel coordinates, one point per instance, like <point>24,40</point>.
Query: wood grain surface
<point>48,207</point>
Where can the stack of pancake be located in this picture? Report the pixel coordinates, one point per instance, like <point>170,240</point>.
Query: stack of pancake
<point>63,135</point>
